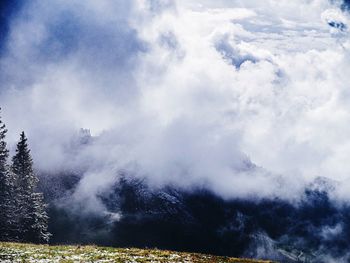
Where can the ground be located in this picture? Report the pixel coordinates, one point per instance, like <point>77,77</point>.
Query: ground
<point>14,252</point>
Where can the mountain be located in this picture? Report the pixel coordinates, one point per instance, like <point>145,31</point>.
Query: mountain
<point>197,220</point>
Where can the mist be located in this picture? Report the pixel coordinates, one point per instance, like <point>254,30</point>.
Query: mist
<point>223,124</point>
<point>248,99</point>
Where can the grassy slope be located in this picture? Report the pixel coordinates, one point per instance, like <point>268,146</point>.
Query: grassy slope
<point>13,252</point>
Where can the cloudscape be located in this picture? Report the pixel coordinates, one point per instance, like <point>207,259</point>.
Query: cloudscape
<point>246,99</point>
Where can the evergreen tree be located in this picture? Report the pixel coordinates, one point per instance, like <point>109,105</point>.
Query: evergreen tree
<point>8,208</point>
<point>33,219</point>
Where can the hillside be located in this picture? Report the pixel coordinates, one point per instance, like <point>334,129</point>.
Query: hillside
<point>13,252</point>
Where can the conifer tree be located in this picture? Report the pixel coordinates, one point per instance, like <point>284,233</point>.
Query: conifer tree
<point>8,223</point>
<point>32,209</point>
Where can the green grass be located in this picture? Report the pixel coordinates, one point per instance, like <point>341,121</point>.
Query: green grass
<point>17,252</point>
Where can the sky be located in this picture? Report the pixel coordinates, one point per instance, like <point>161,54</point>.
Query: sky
<point>249,98</point>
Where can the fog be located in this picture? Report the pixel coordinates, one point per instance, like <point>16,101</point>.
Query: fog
<point>247,98</point>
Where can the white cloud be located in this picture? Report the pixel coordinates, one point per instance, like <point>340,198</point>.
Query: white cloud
<point>184,91</point>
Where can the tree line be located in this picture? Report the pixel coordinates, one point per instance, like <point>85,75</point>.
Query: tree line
<point>23,216</point>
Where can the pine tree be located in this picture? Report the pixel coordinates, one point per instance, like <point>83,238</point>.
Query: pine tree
<point>33,220</point>
<point>8,209</point>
